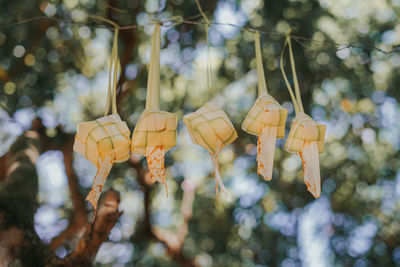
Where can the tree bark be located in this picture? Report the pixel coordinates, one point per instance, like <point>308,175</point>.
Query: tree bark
<point>96,233</point>
<point>19,243</point>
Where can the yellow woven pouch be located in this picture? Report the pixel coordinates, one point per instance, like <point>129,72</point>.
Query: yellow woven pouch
<point>306,136</point>
<point>105,140</point>
<point>266,119</point>
<point>155,132</point>
<point>305,129</point>
<point>211,128</point>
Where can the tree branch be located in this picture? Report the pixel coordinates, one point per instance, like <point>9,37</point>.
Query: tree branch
<point>173,241</point>
<point>78,218</point>
<point>96,233</point>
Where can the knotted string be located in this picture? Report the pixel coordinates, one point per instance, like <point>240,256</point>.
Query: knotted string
<point>262,84</point>
<point>296,99</point>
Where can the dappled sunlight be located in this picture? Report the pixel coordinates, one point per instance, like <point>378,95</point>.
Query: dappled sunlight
<point>348,70</point>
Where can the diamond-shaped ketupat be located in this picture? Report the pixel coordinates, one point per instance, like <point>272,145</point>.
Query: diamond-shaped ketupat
<point>266,119</point>
<point>155,132</point>
<point>95,139</point>
<point>103,142</point>
<point>305,129</point>
<point>306,136</point>
<point>154,128</point>
<point>211,128</point>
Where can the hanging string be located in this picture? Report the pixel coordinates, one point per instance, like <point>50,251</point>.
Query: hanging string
<point>176,21</point>
<point>115,66</point>
<point>262,83</point>
<point>210,83</point>
<point>113,72</point>
<point>153,80</point>
<point>295,80</point>
<point>294,100</point>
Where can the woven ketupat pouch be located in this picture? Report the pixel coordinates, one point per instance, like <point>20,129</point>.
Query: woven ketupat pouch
<point>209,126</point>
<point>95,139</point>
<point>154,128</point>
<point>265,111</point>
<point>304,128</point>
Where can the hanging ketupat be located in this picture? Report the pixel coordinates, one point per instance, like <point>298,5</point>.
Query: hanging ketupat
<point>155,132</point>
<point>266,119</point>
<point>209,126</point>
<point>306,136</point>
<point>105,140</point>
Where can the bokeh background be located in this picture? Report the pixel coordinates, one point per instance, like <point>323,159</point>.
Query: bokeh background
<point>57,70</point>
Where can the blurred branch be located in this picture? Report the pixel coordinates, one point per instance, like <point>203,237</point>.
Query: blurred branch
<point>173,22</point>
<point>96,233</point>
<point>79,214</point>
<point>38,36</point>
<point>3,167</point>
<point>172,240</point>
<point>144,228</point>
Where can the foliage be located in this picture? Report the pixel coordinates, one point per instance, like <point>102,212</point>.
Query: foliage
<point>57,71</point>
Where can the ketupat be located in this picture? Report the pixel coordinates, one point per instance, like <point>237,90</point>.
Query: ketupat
<point>107,139</point>
<point>305,129</point>
<point>266,119</point>
<point>155,132</point>
<point>306,137</point>
<point>211,128</point>
<point>96,139</point>
<point>154,128</point>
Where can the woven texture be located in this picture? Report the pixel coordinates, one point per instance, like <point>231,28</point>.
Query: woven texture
<point>209,124</point>
<point>95,139</point>
<point>265,111</point>
<point>303,129</point>
<point>154,128</point>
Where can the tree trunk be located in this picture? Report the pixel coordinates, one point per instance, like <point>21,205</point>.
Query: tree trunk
<point>19,243</point>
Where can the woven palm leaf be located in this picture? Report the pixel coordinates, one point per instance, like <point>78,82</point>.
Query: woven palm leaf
<point>211,128</point>
<point>95,139</point>
<point>154,128</point>
<point>155,132</point>
<point>103,142</point>
<point>303,129</point>
<point>265,111</point>
<point>306,137</point>
<point>265,119</point>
